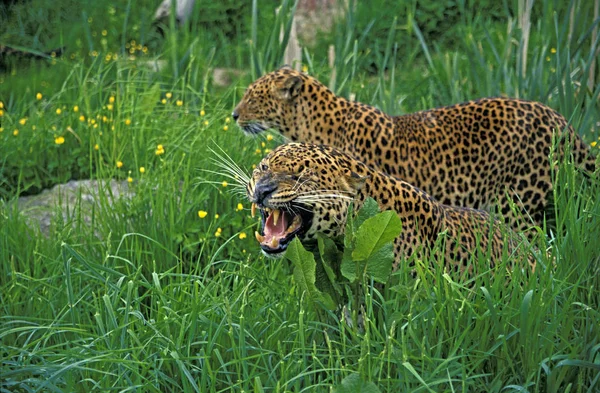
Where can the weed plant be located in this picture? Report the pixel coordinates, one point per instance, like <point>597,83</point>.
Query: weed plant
<point>168,292</point>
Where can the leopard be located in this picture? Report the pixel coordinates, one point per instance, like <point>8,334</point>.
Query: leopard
<point>488,154</point>
<point>304,190</point>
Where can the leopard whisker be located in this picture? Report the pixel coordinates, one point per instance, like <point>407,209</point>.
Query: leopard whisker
<point>224,161</point>
<point>323,195</point>
<point>237,182</point>
<point>298,184</point>
<point>301,207</point>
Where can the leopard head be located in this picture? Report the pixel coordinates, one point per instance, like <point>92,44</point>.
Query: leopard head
<point>302,190</point>
<point>268,101</point>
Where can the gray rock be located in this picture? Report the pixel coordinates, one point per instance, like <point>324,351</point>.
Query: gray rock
<point>74,200</point>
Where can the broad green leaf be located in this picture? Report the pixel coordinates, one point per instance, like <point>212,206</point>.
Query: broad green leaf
<point>354,384</point>
<point>349,229</point>
<point>348,268</point>
<point>374,233</point>
<point>369,209</point>
<point>380,263</point>
<point>330,258</point>
<point>305,273</point>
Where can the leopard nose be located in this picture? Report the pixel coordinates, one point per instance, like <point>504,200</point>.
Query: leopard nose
<point>263,191</point>
<point>235,115</point>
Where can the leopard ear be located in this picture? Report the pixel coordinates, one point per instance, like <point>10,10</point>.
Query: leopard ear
<point>353,182</point>
<point>288,87</point>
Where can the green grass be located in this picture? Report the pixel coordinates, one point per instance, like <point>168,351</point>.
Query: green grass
<point>146,297</point>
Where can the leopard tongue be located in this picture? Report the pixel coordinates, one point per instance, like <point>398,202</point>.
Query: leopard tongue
<point>275,228</point>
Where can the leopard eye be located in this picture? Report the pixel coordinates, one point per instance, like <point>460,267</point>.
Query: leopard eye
<point>263,166</point>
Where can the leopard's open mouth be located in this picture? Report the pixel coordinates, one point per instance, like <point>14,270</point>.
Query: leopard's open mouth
<point>279,227</point>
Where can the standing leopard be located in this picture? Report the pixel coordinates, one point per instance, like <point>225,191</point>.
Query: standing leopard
<point>304,190</point>
<point>483,154</point>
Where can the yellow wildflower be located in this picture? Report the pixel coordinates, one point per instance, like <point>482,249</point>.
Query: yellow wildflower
<point>179,102</point>
<point>205,122</point>
<point>96,147</point>
<point>127,122</point>
<point>227,120</point>
<point>202,213</point>
<point>269,138</point>
<point>129,179</point>
<point>82,118</point>
<point>16,132</point>
<point>38,96</point>
<point>224,184</point>
<point>216,216</point>
<point>119,164</point>
<point>2,105</point>
<point>553,50</point>
<point>169,95</point>
<point>218,232</point>
<point>1,112</point>
<point>304,68</point>
<point>164,101</point>
<point>202,113</point>
<point>104,33</point>
<point>59,140</point>
<point>109,106</point>
<point>58,111</point>
<point>593,144</point>
<point>142,169</point>
<point>243,235</point>
<point>111,100</point>
<point>159,150</point>
<point>263,144</point>
<point>240,206</point>
<point>75,108</point>
<point>225,128</point>
<point>23,121</point>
